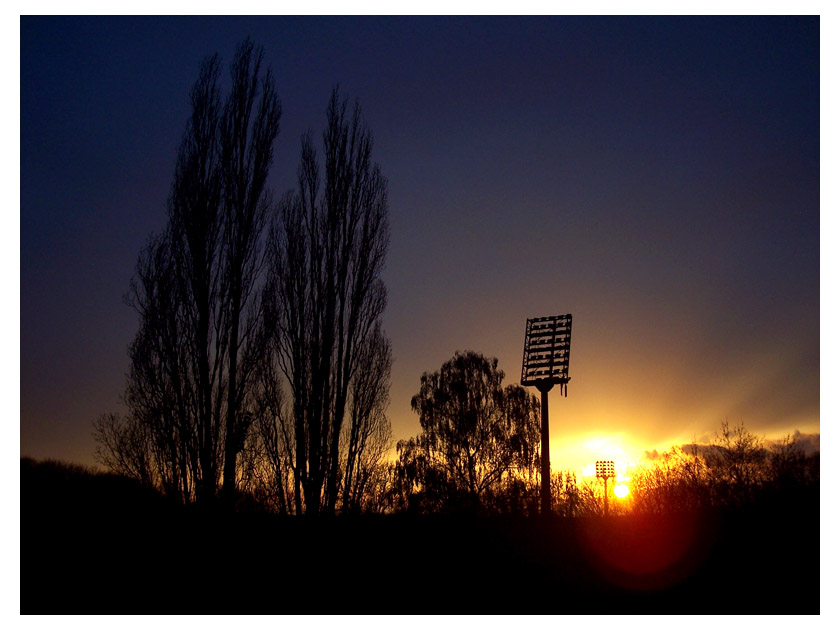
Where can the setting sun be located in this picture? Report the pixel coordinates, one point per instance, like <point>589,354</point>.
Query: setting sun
<point>621,490</point>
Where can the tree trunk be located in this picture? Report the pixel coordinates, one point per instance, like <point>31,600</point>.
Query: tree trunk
<point>232,438</point>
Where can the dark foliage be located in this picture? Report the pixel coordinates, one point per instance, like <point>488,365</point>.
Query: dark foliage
<point>737,469</point>
<point>479,445</point>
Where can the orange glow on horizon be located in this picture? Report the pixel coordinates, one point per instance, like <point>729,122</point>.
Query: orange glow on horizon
<point>580,453</point>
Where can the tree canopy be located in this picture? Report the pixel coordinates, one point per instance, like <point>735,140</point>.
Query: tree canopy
<point>477,436</point>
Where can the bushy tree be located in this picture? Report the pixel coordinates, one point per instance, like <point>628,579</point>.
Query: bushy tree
<point>679,480</point>
<point>573,497</point>
<point>478,438</point>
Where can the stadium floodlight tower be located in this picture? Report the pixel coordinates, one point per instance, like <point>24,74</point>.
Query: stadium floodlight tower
<point>545,363</point>
<point>605,469</point>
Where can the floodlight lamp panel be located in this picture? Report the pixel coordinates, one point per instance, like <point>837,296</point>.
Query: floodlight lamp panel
<point>605,469</point>
<point>545,358</point>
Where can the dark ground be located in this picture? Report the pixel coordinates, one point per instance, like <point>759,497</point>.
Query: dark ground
<point>107,546</point>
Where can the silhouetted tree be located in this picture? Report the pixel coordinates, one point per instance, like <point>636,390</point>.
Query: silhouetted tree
<point>736,460</point>
<point>789,467</point>
<point>475,435</point>
<point>573,497</point>
<point>325,297</point>
<point>367,434</point>
<point>249,125</point>
<point>274,480</point>
<point>195,224</point>
<point>160,392</point>
<point>195,355</point>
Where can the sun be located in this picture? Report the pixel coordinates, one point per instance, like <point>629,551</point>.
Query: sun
<point>621,490</point>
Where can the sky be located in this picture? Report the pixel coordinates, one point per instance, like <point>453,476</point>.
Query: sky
<point>656,177</point>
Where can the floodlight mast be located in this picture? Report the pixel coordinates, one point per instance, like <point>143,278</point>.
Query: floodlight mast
<point>605,469</point>
<point>545,363</point>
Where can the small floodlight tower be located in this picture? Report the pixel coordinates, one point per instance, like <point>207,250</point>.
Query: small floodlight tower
<point>605,469</point>
<point>545,363</point>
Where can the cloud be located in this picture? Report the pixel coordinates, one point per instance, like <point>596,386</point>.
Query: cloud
<point>697,448</point>
<point>809,443</point>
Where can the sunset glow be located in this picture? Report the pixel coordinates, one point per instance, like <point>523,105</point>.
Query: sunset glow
<point>580,453</point>
<point>621,491</point>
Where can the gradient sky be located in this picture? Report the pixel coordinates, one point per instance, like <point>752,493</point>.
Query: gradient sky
<point>658,178</point>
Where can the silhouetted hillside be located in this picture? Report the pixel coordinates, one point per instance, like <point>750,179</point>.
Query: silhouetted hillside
<point>51,488</point>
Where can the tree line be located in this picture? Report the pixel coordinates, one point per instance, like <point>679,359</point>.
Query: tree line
<point>260,363</point>
<point>479,452</point>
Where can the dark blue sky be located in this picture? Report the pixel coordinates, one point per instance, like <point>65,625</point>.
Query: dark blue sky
<point>656,177</point>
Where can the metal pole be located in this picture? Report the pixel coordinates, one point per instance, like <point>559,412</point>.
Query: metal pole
<point>606,499</point>
<point>545,460</point>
